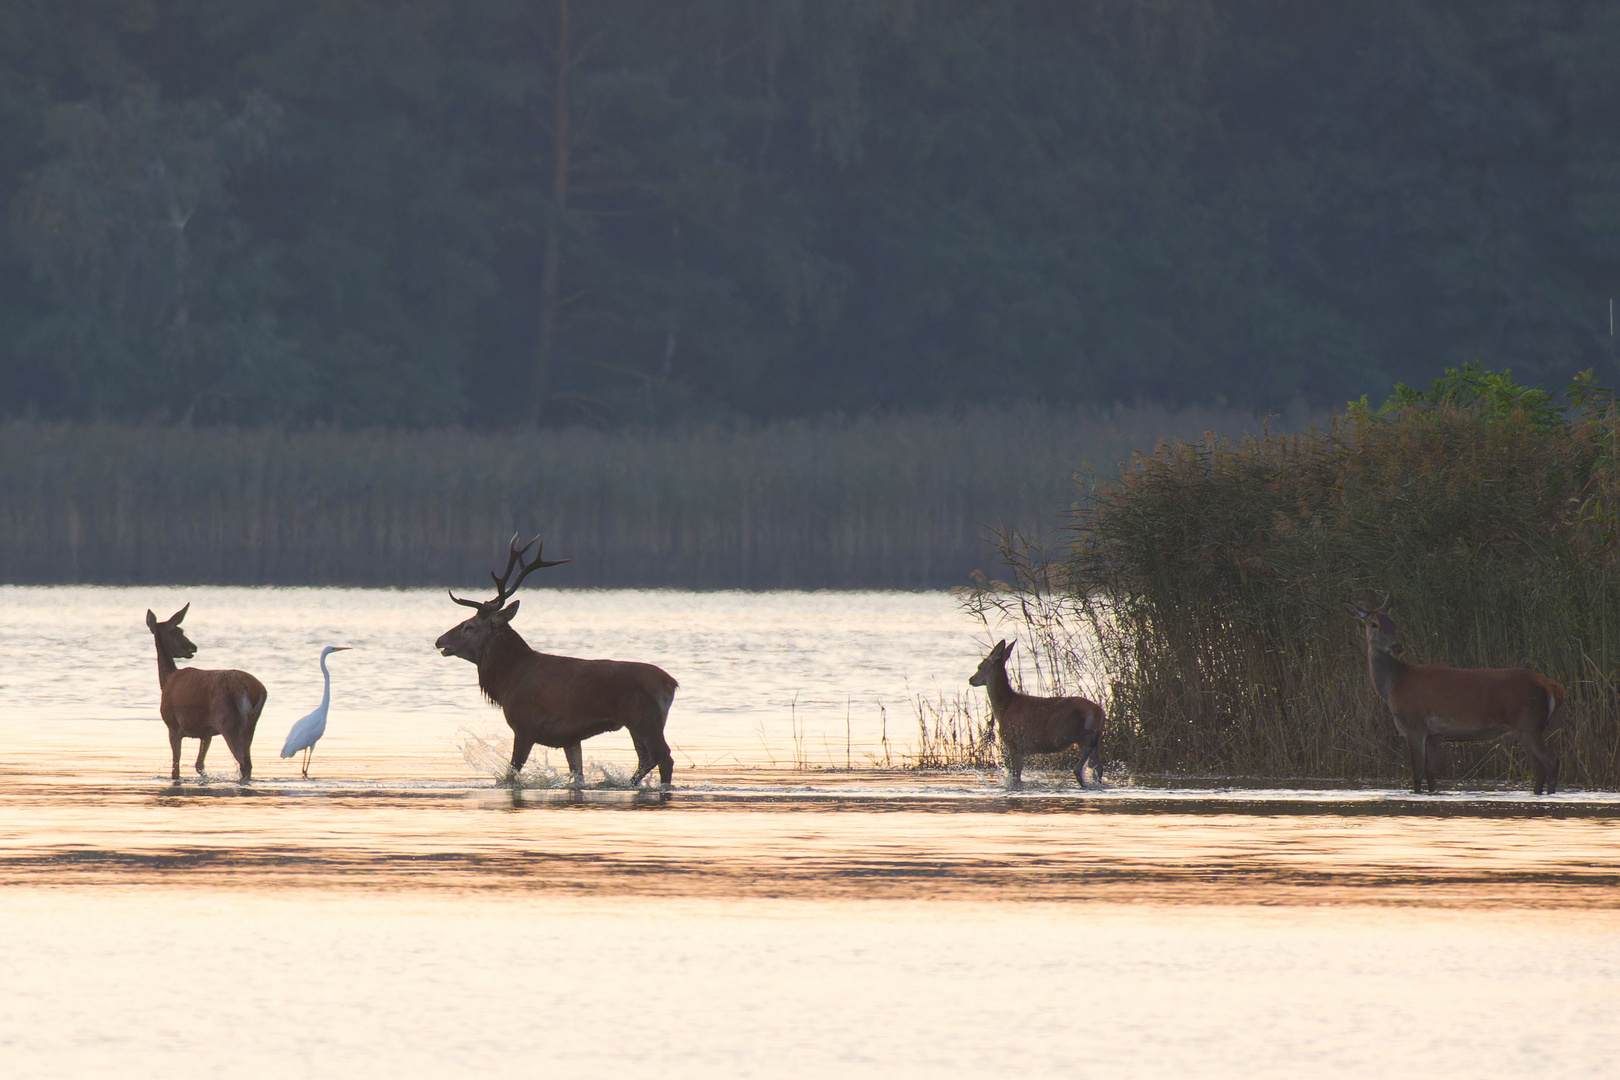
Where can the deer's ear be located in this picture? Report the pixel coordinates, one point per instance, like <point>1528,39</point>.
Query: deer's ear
<point>174,620</point>
<point>1006,649</point>
<point>151,620</point>
<point>506,613</point>
<point>1355,612</point>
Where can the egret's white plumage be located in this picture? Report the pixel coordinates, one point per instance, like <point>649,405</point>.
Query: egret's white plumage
<point>308,731</point>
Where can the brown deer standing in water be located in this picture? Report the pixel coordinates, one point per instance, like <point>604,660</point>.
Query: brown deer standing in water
<point>1037,725</point>
<point>1432,703</point>
<point>199,704</point>
<point>559,701</point>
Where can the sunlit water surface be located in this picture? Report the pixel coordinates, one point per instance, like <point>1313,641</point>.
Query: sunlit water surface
<point>401,913</point>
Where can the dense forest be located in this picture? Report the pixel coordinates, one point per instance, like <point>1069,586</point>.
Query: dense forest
<point>491,212</point>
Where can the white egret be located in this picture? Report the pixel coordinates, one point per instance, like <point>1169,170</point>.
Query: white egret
<point>308,731</point>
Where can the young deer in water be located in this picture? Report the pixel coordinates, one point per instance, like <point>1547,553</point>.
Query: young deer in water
<point>560,701</point>
<point>199,704</point>
<point>1037,725</point>
<point>1432,703</point>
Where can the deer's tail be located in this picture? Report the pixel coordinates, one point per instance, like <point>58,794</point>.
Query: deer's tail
<point>1556,712</point>
<point>663,693</point>
<point>250,703</point>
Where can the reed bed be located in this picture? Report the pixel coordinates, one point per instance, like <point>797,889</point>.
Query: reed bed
<point>893,502</point>
<point>1209,581</point>
<point>954,733</point>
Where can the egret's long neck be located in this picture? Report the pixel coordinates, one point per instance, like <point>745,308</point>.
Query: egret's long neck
<point>326,688</point>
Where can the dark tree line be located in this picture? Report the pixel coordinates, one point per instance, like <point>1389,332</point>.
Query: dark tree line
<point>417,212</point>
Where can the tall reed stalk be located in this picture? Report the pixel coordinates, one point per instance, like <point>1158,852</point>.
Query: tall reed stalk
<point>1209,581</point>
<point>898,502</point>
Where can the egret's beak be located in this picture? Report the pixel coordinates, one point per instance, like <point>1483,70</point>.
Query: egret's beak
<point>342,648</point>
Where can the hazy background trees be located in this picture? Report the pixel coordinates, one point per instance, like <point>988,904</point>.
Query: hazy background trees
<point>297,211</point>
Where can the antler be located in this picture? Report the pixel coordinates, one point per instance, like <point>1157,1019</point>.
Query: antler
<point>514,558</point>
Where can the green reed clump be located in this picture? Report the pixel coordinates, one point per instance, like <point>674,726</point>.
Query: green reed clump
<point>1210,580</point>
<point>897,502</point>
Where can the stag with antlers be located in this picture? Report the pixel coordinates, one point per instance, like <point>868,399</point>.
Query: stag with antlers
<point>559,701</point>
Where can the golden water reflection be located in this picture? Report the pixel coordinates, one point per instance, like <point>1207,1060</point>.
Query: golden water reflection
<point>788,835</point>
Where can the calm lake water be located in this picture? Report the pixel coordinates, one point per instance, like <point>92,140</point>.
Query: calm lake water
<point>402,914</point>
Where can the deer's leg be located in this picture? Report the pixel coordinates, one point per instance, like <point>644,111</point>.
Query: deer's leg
<point>1015,768</point>
<point>651,751</point>
<point>576,763</point>
<point>1414,761</point>
<point>1090,757</point>
<point>241,751</point>
<point>644,762</point>
<point>202,752</point>
<point>174,745</point>
<point>520,752</point>
<point>1429,750</point>
<point>658,753</point>
<point>1542,764</point>
<point>1538,771</point>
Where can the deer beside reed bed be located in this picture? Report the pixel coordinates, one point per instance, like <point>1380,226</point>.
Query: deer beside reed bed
<point>1432,703</point>
<point>559,701</point>
<point>1037,725</point>
<point>199,704</point>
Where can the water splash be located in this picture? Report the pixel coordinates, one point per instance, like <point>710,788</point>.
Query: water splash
<point>490,754</point>
<point>204,779</point>
<point>483,753</point>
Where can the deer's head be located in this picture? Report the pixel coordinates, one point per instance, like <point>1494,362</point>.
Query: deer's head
<point>171,640</point>
<point>471,638</point>
<point>1382,633</point>
<point>996,661</point>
